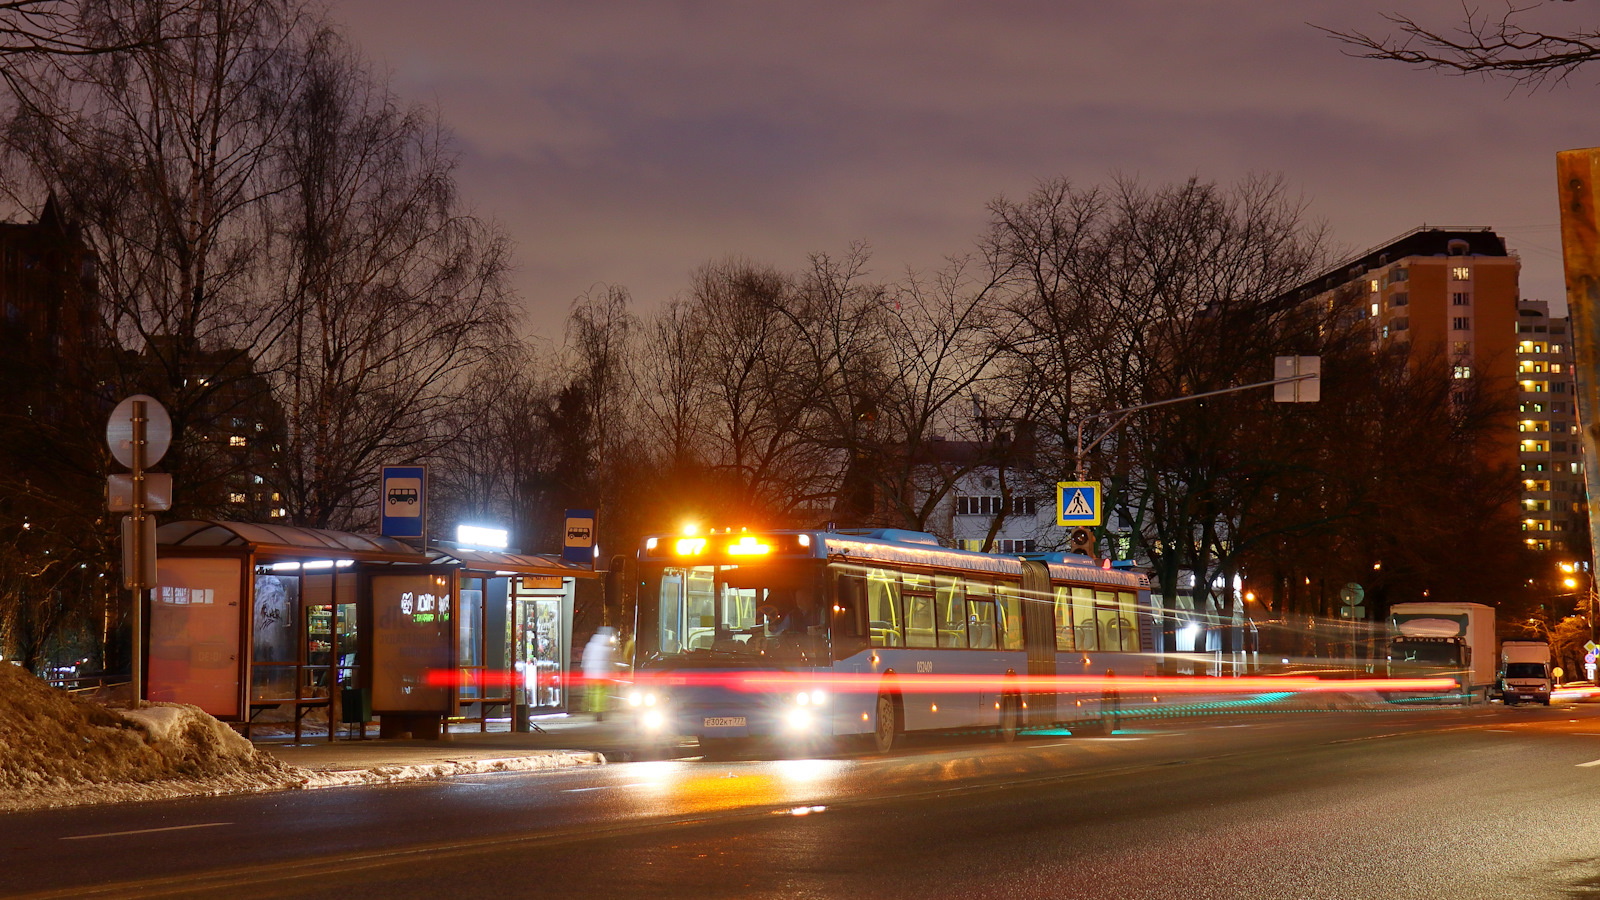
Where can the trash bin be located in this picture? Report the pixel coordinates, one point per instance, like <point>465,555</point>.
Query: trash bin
<point>355,706</point>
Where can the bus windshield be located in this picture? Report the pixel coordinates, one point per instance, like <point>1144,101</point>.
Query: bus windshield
<point>767,614</point>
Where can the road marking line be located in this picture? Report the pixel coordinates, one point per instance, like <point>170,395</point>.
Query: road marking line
<point>1501,730</point>
<point>1592,762</point>
<point>85,837</point>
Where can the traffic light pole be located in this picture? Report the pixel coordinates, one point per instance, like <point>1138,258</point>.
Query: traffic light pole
<point>1127,412</point>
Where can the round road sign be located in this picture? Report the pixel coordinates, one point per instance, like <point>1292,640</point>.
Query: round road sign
<point>157,431</point>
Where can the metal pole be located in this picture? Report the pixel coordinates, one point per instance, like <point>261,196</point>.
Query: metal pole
<point>1128,411</point>
<point>139,499</point>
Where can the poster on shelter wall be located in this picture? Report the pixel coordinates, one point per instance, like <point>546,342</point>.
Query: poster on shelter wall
<point>194,634</point>
<point>277,609</point>
<point>413,643</point>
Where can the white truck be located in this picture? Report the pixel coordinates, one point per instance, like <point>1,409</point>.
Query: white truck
<point>1525,672</point>
<point>1454,640</point>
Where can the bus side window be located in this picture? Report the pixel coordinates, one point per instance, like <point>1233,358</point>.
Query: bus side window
<point>1064,639</point>
<point>980,622</point>
<point>883,608</point>
<point>1111,624</point>
<point>1083,619</point>
<point>1009,600</point>
<point>917,591</point>
<point>952,612</point>
<point>1128,621</point>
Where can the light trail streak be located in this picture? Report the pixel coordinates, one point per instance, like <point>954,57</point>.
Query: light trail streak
<point>913,683</point>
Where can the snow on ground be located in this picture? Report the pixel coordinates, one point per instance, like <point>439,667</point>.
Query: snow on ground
<point>389,774</point>
<point>57,749</point>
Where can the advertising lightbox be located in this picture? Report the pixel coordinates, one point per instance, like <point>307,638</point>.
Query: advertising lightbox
<point>412,637</point>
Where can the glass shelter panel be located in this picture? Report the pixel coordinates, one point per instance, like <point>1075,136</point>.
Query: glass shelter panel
<point>275,623</point>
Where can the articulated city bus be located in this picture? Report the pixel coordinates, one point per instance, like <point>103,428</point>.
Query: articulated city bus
<point>806,634</point>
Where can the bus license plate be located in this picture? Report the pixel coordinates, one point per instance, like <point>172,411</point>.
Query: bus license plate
<point>724,721</point>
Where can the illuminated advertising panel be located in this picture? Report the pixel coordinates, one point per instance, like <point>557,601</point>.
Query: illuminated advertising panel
<point>412,636</point>
<point>194,634</point>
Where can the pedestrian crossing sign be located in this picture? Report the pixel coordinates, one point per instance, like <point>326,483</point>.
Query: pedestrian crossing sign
<point>1077,503</point>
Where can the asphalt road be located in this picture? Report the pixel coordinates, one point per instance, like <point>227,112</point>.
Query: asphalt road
<point>1458,803</point>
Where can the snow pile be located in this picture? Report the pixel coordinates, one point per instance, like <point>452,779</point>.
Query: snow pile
<point>391,774</point>
<point>57,749</point>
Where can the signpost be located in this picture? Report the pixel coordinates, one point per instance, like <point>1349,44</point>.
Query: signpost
<point>139,433</point>
<point>403,497</point>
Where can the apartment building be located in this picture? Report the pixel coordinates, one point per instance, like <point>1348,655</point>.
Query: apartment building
<point>1550,448</point>
<point>1455,291</point>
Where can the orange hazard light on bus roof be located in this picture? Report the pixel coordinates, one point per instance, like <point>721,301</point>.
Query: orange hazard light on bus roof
<point>748,546</point>
<point>691,546</point>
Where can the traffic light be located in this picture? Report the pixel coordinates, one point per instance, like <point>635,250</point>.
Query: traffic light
<point>1081,540</point>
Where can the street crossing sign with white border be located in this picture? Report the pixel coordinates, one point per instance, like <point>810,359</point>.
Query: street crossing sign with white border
<point>1077,503</point>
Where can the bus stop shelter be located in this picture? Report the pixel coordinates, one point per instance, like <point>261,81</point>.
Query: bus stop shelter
<point>255,621</point>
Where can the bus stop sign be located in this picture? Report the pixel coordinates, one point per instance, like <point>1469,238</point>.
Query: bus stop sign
<point>404,501</point>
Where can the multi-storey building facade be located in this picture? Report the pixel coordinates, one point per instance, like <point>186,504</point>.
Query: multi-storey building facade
<point>1550,450</point>
<point>1454,291</point>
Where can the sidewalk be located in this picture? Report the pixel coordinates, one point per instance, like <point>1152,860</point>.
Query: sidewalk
<point>563,741</point>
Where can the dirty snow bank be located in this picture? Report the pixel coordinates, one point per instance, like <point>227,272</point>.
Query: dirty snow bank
<point>59,750</point>
<point>391,774</point>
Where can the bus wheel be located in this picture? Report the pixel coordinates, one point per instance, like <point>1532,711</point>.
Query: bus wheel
<point>1009,716</point>
<point>887,732</point>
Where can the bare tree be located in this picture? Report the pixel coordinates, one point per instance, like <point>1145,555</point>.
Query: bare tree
<point>164,154</point>
<point>391,291</point>
<point>1505,44</point>
<point>52,28</point>
<point>1128,295</point>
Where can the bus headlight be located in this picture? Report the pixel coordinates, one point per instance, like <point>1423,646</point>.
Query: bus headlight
<point>642,698</point>
<point>799,719</point>
<point>653,720</point>
<point>802,698</point>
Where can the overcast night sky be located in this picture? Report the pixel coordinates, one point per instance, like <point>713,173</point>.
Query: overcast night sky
<point>627,143</point>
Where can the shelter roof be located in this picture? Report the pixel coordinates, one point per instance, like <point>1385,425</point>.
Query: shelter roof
<point>287,541</point>
<point>500,561</point>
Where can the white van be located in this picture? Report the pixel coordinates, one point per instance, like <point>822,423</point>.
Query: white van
<point>1525,672</point>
